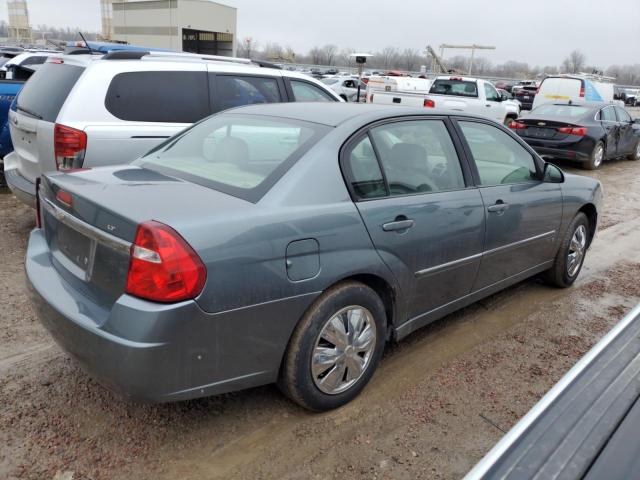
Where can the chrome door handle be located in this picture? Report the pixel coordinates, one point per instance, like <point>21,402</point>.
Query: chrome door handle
<point>398,224</point>
<point>498,207</point>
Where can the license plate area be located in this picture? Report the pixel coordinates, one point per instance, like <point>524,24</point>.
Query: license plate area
<point>75,246</point>
<point>540,132</point>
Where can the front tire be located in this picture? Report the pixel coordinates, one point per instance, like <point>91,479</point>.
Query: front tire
<point>335,348</point>
<point>571,254</point>
<point>597,157</point>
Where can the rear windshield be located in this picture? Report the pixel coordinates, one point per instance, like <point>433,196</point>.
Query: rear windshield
<point>561,110</point>
<point>455,87</point>
<point>242,155</point>
<point>47,90</point>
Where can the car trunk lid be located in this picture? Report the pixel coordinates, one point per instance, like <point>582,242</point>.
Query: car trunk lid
<point>545,129</point>
<point>90,219</point>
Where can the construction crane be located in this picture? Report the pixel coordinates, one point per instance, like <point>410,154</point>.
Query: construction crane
<point>473,49</point>
<point>437,65</point>
<point>19,28</point>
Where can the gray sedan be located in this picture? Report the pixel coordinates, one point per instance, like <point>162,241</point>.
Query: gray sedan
<point>288,243</point>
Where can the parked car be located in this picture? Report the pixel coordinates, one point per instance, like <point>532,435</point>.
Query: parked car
<point>589,134</point>
<point>404,91</point>
<point>26,59</point>
<point>90,110</point>
<point>513,106</point>
<point>470,95</point>
<point>575,89</point>
<point>632,98</point>
<point>346,87</point>
<point>288,242</point>
<point>525,94</point>
<point>586,426</point>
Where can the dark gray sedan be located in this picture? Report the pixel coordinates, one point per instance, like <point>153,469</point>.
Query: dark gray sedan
<point>288,243</point>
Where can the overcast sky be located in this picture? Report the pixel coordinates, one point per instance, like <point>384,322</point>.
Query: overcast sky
<point>540,32</point>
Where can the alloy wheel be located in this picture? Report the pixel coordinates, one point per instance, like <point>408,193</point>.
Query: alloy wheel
<point>598,155</point>
<point>577,249</point>
<point>343,349</point>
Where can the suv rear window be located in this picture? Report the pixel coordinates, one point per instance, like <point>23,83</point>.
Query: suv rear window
<point>47,90</point>
<point>168,97</point>
<point>241,155</point>
<point>454,87</point>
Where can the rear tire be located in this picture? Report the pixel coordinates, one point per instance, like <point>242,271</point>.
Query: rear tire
<point>334,350</point>
<point>596,158</point>
<point>571,254</point>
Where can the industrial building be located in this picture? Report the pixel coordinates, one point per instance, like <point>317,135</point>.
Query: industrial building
<point>199,26</point>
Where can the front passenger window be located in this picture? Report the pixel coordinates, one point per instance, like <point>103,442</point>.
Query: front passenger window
<point>498,157</point>
<point>491,93</point>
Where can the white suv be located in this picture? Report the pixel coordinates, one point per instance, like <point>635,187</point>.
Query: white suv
<point>80,111</point>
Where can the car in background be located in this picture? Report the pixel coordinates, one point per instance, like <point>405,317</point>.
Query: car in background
<point>576,89</point>
<point>80,111</point>
<point>589,134</point>
<point>586,426</point>
<point>525,94</point>
<point>343,216</point>
<point>631,98</point>
<point>513,106</point>
<point>26,59</point>
<point>346,87</point>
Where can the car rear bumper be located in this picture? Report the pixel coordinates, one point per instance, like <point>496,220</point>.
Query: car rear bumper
<point>156,352</point>
<point>21,187</point>
<point>561,154</point>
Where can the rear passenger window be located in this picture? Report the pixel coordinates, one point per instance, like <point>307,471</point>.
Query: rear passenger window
<point>168,97</point>
<point>608,114</point>
<point>364,171</point>
<point>418,156</point>
<point>233,91</point>
<point>498,157</point>
<point>306,92</point>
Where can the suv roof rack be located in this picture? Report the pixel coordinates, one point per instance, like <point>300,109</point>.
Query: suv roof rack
<point>139,54</point>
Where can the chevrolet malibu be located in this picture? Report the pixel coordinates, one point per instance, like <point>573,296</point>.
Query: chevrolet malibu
<point>289,243</point>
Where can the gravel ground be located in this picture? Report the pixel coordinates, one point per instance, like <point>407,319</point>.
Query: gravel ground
<point>439,401</point>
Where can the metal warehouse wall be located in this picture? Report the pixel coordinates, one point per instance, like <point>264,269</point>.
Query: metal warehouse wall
<point>159,23</point>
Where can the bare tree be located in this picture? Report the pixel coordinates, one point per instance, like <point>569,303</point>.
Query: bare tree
<point>346,58</point>
<point>411,59</point>
<point>575,62</point>
<point>289,53</point>
<point>329,52</point>
<point>388,57</point>
<point>316,54</point>
<point>247,48</point>
<point>273,51</point>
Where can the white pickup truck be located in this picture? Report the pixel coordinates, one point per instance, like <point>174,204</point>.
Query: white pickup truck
<point>469,95</point>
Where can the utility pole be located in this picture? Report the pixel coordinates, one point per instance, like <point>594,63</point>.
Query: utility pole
<point>473,49</point>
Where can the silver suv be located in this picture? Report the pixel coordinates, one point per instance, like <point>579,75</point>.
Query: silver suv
<point>81,111</point>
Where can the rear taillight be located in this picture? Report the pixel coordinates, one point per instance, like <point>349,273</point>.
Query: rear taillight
<point>64,198</point>
<point>70,146</point>
<point>578,131</point>
<point>582,91</point>
<point>516,125</point>
<point>38,213</point>
<point>163,267</point>
<point>429,103</point>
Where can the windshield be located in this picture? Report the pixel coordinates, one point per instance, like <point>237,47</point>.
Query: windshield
<point>242,155</point>
<point>455,87</point>
<point>561,110</point>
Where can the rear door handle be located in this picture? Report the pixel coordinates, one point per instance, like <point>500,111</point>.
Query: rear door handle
<point>400,223</point>
<point>499,207</point>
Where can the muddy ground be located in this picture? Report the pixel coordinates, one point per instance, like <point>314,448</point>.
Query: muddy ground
<point>437,404</point>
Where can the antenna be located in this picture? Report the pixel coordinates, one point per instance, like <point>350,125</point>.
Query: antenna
<point>85,42</point>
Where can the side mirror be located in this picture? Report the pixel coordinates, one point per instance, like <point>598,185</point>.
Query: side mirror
<point>552,173</point>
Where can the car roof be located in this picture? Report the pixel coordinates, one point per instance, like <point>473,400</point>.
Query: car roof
<point>335,113</point>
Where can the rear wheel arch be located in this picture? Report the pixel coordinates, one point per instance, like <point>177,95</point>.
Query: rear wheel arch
<point>589,209</point>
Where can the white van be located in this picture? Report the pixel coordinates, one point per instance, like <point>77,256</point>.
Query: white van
<point>575,89</point>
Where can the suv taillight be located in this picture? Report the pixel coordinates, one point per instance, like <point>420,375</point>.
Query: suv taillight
<point>69,146</point>
<point>163,266</point>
